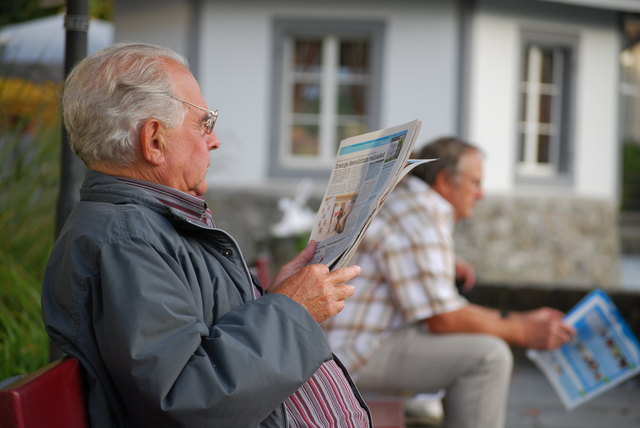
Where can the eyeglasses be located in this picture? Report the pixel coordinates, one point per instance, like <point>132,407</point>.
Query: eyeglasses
<point>477,183</point>
<point>212,115</point>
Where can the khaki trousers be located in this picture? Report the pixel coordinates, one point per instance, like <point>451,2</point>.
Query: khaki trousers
<point>473,369</point>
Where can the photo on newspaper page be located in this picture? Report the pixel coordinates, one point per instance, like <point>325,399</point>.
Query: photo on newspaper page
<point>604,352</point>
<point>367,168</point>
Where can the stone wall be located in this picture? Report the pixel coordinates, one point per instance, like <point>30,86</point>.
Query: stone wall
<point>542,241</point>
<point>510,241</point>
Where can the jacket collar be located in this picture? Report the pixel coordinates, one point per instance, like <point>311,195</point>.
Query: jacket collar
<point>100,187</point>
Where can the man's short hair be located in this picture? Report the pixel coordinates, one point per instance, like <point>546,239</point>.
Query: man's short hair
<point>448,151</point>
<point>108,96</point>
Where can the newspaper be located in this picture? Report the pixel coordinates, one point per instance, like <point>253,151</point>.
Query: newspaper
<point>603,353</point>
<point>367,169</point>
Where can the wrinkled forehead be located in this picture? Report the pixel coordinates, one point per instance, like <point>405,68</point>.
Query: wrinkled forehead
<point>471,163</point>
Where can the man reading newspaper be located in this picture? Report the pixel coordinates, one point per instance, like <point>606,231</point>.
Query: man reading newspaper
<point>406,328</point>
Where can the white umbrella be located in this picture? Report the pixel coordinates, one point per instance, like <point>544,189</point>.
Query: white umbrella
<point>40,42</point>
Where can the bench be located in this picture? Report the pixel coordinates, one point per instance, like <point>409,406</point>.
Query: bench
<point>386,412</point>
<point>51,397</point>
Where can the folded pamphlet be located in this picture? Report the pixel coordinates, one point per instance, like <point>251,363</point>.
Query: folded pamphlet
<point>602,354</point>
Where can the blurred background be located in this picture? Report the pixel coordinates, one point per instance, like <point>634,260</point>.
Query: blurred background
<point>550,90</point>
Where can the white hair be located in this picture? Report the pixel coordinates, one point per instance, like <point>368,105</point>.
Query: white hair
<point>110,94</point>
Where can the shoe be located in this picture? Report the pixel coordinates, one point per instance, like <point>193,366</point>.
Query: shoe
<point>424,410</point>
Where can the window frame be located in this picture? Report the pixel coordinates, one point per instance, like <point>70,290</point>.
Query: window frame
<point>561,165</point>
<point>284,29</point>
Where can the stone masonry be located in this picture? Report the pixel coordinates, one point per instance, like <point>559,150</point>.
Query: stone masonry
<point>510,240</point>
<point>542,241</point>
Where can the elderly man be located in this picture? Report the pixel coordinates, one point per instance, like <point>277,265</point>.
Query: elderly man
<point>406,328</point>
<point>154,300</point>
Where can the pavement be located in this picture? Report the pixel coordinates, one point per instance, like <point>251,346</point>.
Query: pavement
<point>533,403</point>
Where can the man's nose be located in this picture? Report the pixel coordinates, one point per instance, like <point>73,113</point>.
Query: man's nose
<point>212,141</point>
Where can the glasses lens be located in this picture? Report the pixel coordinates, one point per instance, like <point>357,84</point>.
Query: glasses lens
<point>211,121</point>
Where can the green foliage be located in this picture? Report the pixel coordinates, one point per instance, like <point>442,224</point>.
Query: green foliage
<point>29,175</point>
<point>14,11</point>
<point>102,9</point>
<point>23,343</point>
<point>631,177</point>
<point>29,171</point>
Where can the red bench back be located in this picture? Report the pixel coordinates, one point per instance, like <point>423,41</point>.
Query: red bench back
<point>51,397</point>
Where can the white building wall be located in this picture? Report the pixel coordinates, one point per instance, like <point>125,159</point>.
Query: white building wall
<point>420,72</point>
<point>235,66</point>
<point>165,23</point>
<point>420,67</point>
<point>495,68</point>
<point>597,116</point>
<point>493,97</point>
<point>235,73</point>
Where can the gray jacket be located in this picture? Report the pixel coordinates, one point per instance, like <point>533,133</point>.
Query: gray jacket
<point>161,313</point>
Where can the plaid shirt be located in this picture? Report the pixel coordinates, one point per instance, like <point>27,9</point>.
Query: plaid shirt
<point>408,273</point>
<point>328,398</point>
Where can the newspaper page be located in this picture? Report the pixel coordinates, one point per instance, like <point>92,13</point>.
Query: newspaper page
<point>367,168</point>
<point>603,353</point>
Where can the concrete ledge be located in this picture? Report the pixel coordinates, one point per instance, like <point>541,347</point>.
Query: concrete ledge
<point>523,298</point>
<point>629,224</point>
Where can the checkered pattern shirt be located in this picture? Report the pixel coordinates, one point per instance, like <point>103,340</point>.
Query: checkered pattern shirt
<point>408,273</point>
<point>328,398</point>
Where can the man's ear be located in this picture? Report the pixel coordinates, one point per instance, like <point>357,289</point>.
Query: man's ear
<point>151,142</point>
<point>443,184</point>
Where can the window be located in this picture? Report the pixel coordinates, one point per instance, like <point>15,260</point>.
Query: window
<point>545,88</point>
<point>630,111</point>
<point>327,89</point>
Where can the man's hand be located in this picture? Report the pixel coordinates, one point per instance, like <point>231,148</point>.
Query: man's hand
<point>321,292</point>
<point>544,329</point>
<point>293,266</point>
<point>466,274</point>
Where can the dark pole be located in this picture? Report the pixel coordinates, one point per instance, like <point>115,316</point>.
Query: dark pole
<point>76,24</point>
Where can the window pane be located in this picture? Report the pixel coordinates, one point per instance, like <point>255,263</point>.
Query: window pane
<point>304,140</point>
<point>523,106</point>
<point>349,130</point>
<point>325,74</point>
<point>308,56</point>
<point>545,109</point>
<point>521,148</point>
<point>543,148</point>
<point>354,57</point>
<point>547,67</point>
<point>306,98</point>
<point>352,100</point>
<point>525,69</point>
